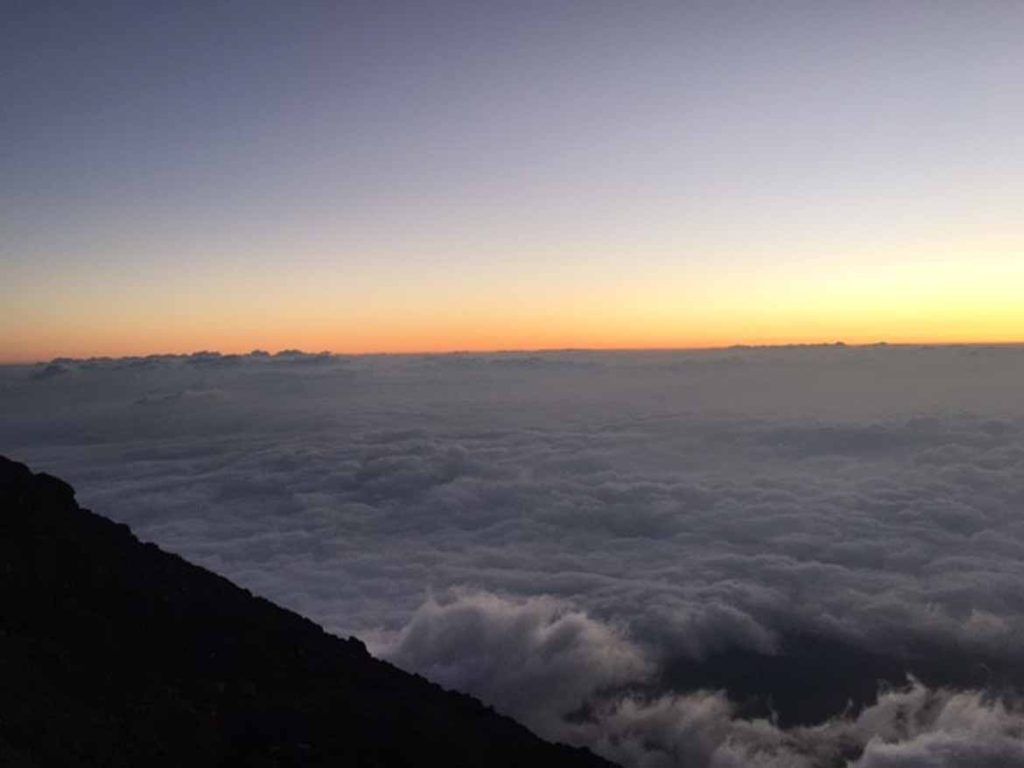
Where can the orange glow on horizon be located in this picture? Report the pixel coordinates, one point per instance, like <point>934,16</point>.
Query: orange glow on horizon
<point>959,299</point>
<point>540,340</point>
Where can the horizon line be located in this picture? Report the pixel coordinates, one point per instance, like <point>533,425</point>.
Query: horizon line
<point>259,352</point>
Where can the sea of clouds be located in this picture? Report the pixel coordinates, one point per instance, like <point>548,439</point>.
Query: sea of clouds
<point>747,557</point>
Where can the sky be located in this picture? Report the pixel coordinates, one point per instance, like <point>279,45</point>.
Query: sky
<point>614,533</point>
<point>406,176</point>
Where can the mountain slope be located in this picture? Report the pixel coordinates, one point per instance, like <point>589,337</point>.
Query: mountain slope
<point>115,653</point>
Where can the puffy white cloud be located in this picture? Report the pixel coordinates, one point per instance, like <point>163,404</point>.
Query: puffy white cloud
<point>909,728</point>
<point>536,659</point>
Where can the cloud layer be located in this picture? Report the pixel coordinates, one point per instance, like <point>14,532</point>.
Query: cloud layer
<point>610,536</point>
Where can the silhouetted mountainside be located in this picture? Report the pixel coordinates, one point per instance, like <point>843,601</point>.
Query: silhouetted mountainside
<point>115,653</point>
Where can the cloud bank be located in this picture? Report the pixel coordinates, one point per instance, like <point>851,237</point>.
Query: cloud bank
<point>538,661</point>
<point>677,558</point>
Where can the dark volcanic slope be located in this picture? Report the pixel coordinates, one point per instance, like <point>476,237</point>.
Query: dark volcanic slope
<point>113,652</point>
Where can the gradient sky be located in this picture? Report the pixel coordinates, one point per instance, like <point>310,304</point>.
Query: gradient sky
<point>392,176</point>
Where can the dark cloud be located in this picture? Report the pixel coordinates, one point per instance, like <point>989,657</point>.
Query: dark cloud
<point>43,372</point>
<point>674,547</point>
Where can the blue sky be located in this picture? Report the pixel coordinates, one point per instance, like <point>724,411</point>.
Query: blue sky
<point>603,174</point>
